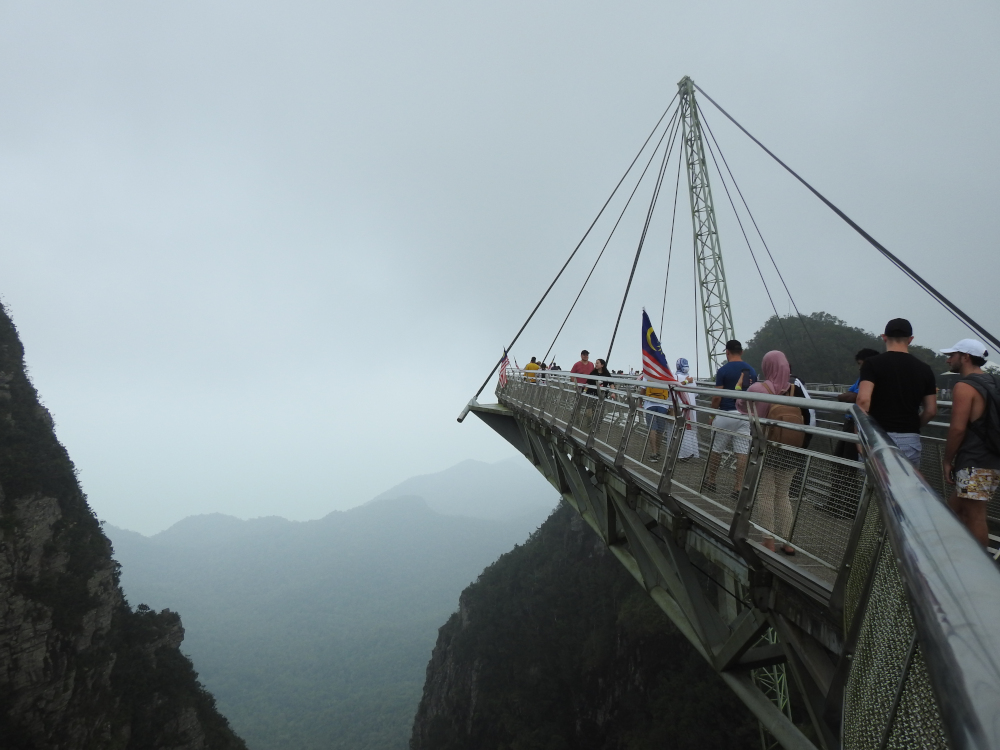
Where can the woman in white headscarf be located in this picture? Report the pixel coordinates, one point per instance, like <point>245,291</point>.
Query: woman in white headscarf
<point>689,445</point>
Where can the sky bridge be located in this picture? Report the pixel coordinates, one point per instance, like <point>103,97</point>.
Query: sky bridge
<point>839,599</point>
<point>882,630</point>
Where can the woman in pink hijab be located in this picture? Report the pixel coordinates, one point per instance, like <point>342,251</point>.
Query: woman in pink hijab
<point>773,509</point>
<point>776,375</point>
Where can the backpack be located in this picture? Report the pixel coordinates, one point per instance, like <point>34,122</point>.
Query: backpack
<point>782,413</point>
<point>989,431</point>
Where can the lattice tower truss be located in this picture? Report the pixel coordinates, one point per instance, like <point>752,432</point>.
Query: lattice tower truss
<point>716,312</point>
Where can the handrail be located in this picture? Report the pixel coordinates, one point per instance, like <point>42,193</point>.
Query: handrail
<point>951,587</point>
<point>802,403</point>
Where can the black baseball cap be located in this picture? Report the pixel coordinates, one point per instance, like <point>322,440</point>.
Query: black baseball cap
<point>898,328</point>
<point>734,346</point>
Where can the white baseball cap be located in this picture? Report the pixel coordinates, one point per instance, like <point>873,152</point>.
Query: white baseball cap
<point>968,346</point>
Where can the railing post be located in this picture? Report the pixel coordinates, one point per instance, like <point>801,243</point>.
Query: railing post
<point>847,563</point>
<point>633,405</point>
<point>598,419</point>
<point>677,436</point>
<point>540,383</point>
<point>798,503</point>
<point>558,385</point>
<point>739,531</point>
<point>576,409</point>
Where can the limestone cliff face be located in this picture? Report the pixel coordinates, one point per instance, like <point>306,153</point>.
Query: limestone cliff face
<point>557,647</point>
<point>78,667</point>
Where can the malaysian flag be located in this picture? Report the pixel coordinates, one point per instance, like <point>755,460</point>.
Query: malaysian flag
<point>654,364</point>
<point>503,369</point>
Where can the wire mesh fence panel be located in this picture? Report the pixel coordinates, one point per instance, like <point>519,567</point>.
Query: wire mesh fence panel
<point>646,452</point>
<point>808,501</point>
<point>537,393</point>
<point>611,429</point>
<point>993,508</point>
<point>882,675</point>
<point>917,723</point>
<point>561,405</point>
<point>931,458</point>
<point>586,410</point>
<point>864,557</point>
<point>727,460</point>
<point>773,508</point>
<point>690,473</point>
<point>638,436</point>
<point>828,501</point>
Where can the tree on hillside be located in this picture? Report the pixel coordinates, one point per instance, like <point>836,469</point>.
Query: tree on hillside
<point>826,353</point>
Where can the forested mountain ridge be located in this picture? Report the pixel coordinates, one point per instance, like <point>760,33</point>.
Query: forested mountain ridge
<point>79,668</point>
<point>315,635</point>
<point>555,647</point>
<point>821,347</point>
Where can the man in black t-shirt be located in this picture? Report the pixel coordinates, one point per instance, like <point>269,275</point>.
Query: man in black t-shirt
<point>894,385</point>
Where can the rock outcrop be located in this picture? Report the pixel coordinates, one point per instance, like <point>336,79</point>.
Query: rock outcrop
<point>557,647</point>
<point>78,667</point>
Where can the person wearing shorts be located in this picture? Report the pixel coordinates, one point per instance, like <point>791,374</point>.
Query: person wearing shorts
<point>730,432</point>
<point>970,460</point>
<point>653,404</point>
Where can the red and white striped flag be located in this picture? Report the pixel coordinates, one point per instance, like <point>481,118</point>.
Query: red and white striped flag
<point>503,369</point>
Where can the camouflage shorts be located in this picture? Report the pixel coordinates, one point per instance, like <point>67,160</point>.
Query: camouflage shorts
<point>977,484</point>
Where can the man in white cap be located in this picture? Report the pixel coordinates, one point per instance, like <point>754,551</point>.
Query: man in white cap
<point>972,453</point>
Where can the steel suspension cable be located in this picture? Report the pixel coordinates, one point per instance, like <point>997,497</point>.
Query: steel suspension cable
<point>914,276</point>
<point>570,258</point>
<point>757,228</point>
<point>749,247</point>
<point>694,276</point>
<point>642,238</point>
<point>652,156</point>
<point>670,249</point>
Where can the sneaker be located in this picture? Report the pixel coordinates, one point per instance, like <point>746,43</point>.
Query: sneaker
<point>654,458</point>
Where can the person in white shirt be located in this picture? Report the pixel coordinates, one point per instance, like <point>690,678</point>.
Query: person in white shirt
<point>689,444</point>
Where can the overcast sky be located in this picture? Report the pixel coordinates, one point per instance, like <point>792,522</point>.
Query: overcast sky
<point>260,254</point>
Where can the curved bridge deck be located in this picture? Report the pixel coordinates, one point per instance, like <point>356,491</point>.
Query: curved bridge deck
<point>847,635</point>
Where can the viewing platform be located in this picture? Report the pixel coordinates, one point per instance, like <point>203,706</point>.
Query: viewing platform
<point>883,611</point>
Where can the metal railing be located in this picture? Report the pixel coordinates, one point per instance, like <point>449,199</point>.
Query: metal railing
<point>799,497</point>
<point>918,600</point>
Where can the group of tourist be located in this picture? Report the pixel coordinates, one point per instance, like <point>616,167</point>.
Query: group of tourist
<point>896,389</point>
<point>899,392</point>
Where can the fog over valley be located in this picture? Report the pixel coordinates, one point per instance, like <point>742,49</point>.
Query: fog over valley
<point>257,257</point>
<point>317,634</point>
